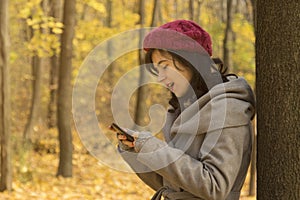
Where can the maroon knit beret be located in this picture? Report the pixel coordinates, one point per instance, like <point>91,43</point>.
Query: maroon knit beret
<point>179,35</point>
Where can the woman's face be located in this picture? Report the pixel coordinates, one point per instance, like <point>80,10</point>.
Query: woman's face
<point>175,78</point>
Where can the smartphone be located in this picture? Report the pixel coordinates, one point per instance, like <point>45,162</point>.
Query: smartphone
<point>122,131</point>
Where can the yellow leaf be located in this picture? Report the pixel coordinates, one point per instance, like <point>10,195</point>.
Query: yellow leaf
<point>57,30</point>
<point>59,24</point>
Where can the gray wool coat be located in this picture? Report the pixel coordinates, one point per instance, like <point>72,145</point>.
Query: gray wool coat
<point>207,148</point>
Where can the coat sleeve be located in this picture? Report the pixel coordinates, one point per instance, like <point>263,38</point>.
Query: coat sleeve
<point>212,175</point>
<point>151,178</point>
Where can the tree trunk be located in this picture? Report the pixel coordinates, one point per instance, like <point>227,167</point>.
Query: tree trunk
<point>156,14</point>
<point>253,4</point>
<point>55,11</point>
<point>36,98</point>
<point>238,6</point>
<point>109,24</point>
<point>198,12</point>
<point>237,10</point>
<point>249,10</point>
<point>228,36</point>
<point>191,9</point>
<point>222,13</point>
<point>34,115</point>
<point>175,5</point>
<point>53,83</point>
<point>65,92</point>
<point>140,103</point>
<point>6,169</point>
<point>278,105</point>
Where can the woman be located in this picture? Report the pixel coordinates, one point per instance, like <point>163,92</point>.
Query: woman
<point>208,139</point>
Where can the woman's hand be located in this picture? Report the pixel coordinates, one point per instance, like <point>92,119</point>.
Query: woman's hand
<point>124,143</point>
<point>139,139</point>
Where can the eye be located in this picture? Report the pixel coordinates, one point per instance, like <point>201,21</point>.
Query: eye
<point>165,67</point>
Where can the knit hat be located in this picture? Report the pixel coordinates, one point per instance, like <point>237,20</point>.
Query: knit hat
<point>179,35</point>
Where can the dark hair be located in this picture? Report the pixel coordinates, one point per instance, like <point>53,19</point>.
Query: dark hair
<point>197,82</point>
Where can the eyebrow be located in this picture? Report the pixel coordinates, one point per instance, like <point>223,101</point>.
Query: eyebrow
<point>161,61</point>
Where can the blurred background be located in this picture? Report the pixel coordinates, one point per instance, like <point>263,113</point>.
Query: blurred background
<point>48,42</point>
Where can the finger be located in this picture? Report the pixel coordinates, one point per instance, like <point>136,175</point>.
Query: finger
<point>128,143</point>
<point>121,137</point>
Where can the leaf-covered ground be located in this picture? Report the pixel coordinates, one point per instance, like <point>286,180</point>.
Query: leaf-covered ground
<point>90,181</point>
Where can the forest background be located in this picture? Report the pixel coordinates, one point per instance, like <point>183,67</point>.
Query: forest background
<point>35,29</point>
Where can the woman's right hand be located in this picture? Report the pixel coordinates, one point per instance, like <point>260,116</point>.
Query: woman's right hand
<point>124,144</point>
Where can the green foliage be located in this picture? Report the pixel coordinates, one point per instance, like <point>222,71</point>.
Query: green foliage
<point>42,30</point>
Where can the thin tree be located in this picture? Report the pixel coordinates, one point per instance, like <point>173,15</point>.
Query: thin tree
<point>278,105</point>
<point>36,98</point>
<point>156,14</point>
<point>109,24</point>
<point>140,107</point>
<point>222,9</point>
<point>191,9</point>
<point>65,91</point>
<point>198,11</point>
<point>176,10</point>
<point>228,35</point>
<point>34,115</point>
<point>55,11</point>
<point>6,169</point>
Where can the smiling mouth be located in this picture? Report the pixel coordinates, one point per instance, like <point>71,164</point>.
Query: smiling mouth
<point>170,86</point>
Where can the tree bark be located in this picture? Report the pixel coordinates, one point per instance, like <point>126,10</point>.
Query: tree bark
<point>65,92</point>
<point>253,4</point>
<point>156,14</point>
<point>53,84</point>
<point>222,13</point>
<point>36,63</point>
<point>140,103</point>
<point>228,36</point>
<point>198,12</point>
<point>55,11</point>
<point>191,9</point>
<point>176,12</point>
<point>110,47</point>
<point>36,98</point>
<point>278,105</point>
<point>6,169</point>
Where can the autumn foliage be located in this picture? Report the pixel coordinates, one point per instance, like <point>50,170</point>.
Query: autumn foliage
<point>36,32</point>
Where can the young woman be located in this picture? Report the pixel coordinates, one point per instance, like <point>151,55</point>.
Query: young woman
<point>208,138</point>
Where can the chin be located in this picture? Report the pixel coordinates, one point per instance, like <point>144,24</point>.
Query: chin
<point>178,95</point>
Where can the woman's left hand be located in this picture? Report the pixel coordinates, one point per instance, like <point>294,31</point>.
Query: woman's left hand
<point>139,139</point>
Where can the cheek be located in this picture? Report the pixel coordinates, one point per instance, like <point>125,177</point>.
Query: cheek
<point>182,81</point>
<point>181,87</point>
<point>178,76</point>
